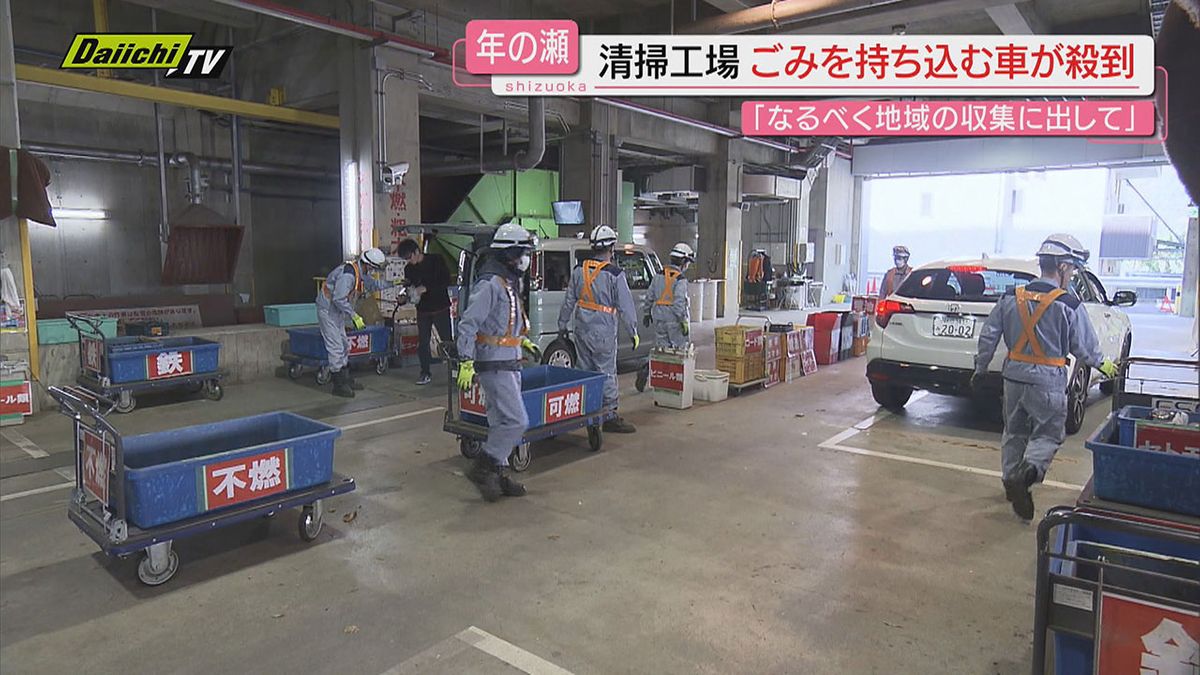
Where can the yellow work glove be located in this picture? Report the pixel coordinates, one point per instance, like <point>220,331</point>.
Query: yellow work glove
<point>359,324</point>
<point>466,374</point>
<point>531,348</point>
<point>1109,368</point>
<point>683,326</point>
<point>637,340</point>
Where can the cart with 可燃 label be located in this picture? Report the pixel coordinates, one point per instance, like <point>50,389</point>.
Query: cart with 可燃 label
<point>120,368</point>
<point>137,494</point>
<point>306,349</point>
<point>557,400</point>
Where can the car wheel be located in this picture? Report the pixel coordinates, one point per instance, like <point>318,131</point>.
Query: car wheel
<point>1077,391</point>
<point>560,353</point>
<point>891,396</point>
<point>1109,386</point>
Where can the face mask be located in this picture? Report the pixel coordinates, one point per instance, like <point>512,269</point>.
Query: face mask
<point>524,262</point>
<point>901,263</point>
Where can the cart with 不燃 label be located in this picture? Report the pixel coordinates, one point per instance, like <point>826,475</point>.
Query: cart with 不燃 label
<point>306,349</point>
<point>140,493</point>
<point>120,368</point>
<point>557,400</point>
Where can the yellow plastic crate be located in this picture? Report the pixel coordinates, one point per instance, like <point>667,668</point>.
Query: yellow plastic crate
<point>744,369</point>
<point>738,341</point>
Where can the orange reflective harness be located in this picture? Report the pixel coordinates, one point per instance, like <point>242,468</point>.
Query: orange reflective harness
<point>1036,355</point>
<point>591,270</point>
<point>668,295</point>
<point>358,283</point>
<point>515,313</point>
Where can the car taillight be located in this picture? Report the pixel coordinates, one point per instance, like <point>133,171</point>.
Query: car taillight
<point>886,308</point>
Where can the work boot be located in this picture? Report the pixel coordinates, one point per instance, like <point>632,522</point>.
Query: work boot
<point>484,474</point>
<point>350,379</point>
<point>642,376</point>
<point>508,486</point>
<point>618,425</point>
<point>1016,490</point>
<point>341,384</point>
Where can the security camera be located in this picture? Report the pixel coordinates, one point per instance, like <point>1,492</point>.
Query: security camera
<point>392,174</point>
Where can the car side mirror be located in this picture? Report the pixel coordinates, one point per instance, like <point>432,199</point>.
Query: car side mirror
<point>1124,299</point>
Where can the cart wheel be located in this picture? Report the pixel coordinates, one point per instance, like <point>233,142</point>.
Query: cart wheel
<point>595,438</point>
<point>520,458</point>
<point>312,518</point>
<point>213,390</point>
<point>294,371</point>
<point>469,447</point>
<point>323,375</point>
<point>126,402</point>
<point>381,366</point>
<point>195,387</point>
<point>148,576</point>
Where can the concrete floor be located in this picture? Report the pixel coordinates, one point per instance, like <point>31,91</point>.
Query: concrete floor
<point>796,530</point>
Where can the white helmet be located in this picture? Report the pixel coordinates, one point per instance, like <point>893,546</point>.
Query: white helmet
<point>603,237</point>
<point>510,235</point>
<point>683,252</point>
<point>373,257</point>
<point>1064,248</point>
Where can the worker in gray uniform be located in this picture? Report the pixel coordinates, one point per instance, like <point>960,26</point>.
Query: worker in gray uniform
<point>1041,323</point>
<point>492,333</point>
<point>666,308</point>
<point>597,296</point>
<point>336,307</point>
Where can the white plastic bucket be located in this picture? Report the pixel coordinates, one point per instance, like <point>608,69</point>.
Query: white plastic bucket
<point>711,385</point>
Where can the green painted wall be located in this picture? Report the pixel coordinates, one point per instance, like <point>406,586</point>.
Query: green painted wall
<point>625,214</point>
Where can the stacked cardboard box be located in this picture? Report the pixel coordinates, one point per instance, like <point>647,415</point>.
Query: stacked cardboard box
<point>864,304</point>
<point>741,353</point>
<point>775,347</point>
<point>797,343</point>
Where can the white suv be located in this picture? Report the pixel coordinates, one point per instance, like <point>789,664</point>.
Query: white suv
<point>926,333</point>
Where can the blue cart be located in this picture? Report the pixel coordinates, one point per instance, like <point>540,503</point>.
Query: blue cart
<point>120,368</point>
<point>137,494</point>
<point>557,400</point>
<point>306,349</point>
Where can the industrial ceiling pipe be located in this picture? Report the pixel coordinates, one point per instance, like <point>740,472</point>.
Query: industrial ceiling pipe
<point>195,183</point>
<point>58,151</point>
<point>694,123</point>
<point>779,14</point>
<point>521,160</point>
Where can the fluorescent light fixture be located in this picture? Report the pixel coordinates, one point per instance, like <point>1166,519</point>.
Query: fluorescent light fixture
<point>350,239</point>
<point>79,214</point>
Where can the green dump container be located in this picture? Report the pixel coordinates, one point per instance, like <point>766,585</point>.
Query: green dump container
<point>59,331</point>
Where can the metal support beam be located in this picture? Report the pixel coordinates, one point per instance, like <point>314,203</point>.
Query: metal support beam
<point>100,15</point>
<point>183,99</point>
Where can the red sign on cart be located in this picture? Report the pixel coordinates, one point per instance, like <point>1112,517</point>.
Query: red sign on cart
<point>96,462</point>
<point>92,355</point>
<point>1166,438</point>
<point>16,399</point>
<point>359,344</point>
<point>472,400</point>
<point>564,404</point>
<point>162,365</point>
<point>1144,637</point>
<point>241,480</point>
<point>666,375</point>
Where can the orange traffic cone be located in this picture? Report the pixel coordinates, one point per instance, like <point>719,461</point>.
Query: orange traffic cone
<point>872,287</point>
<point>1166,305</point>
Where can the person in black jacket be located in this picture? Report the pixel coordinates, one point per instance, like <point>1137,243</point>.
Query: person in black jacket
<point>428,281</point>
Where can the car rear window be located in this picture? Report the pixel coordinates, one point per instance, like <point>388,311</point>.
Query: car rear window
<point>966,283</point>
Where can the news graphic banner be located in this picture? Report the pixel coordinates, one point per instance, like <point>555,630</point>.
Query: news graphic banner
<point>520,56</point>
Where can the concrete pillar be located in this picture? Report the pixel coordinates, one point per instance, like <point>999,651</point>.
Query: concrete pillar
<point>589,167</point>
<point>356,110</point>
<point>14,234</point>
<point>1191,269</point>
<point>399,140</point>
<point>720,245</point>
<point>830,225</point>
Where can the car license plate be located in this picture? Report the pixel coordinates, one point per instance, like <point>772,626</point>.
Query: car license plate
<point>954,326</point>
